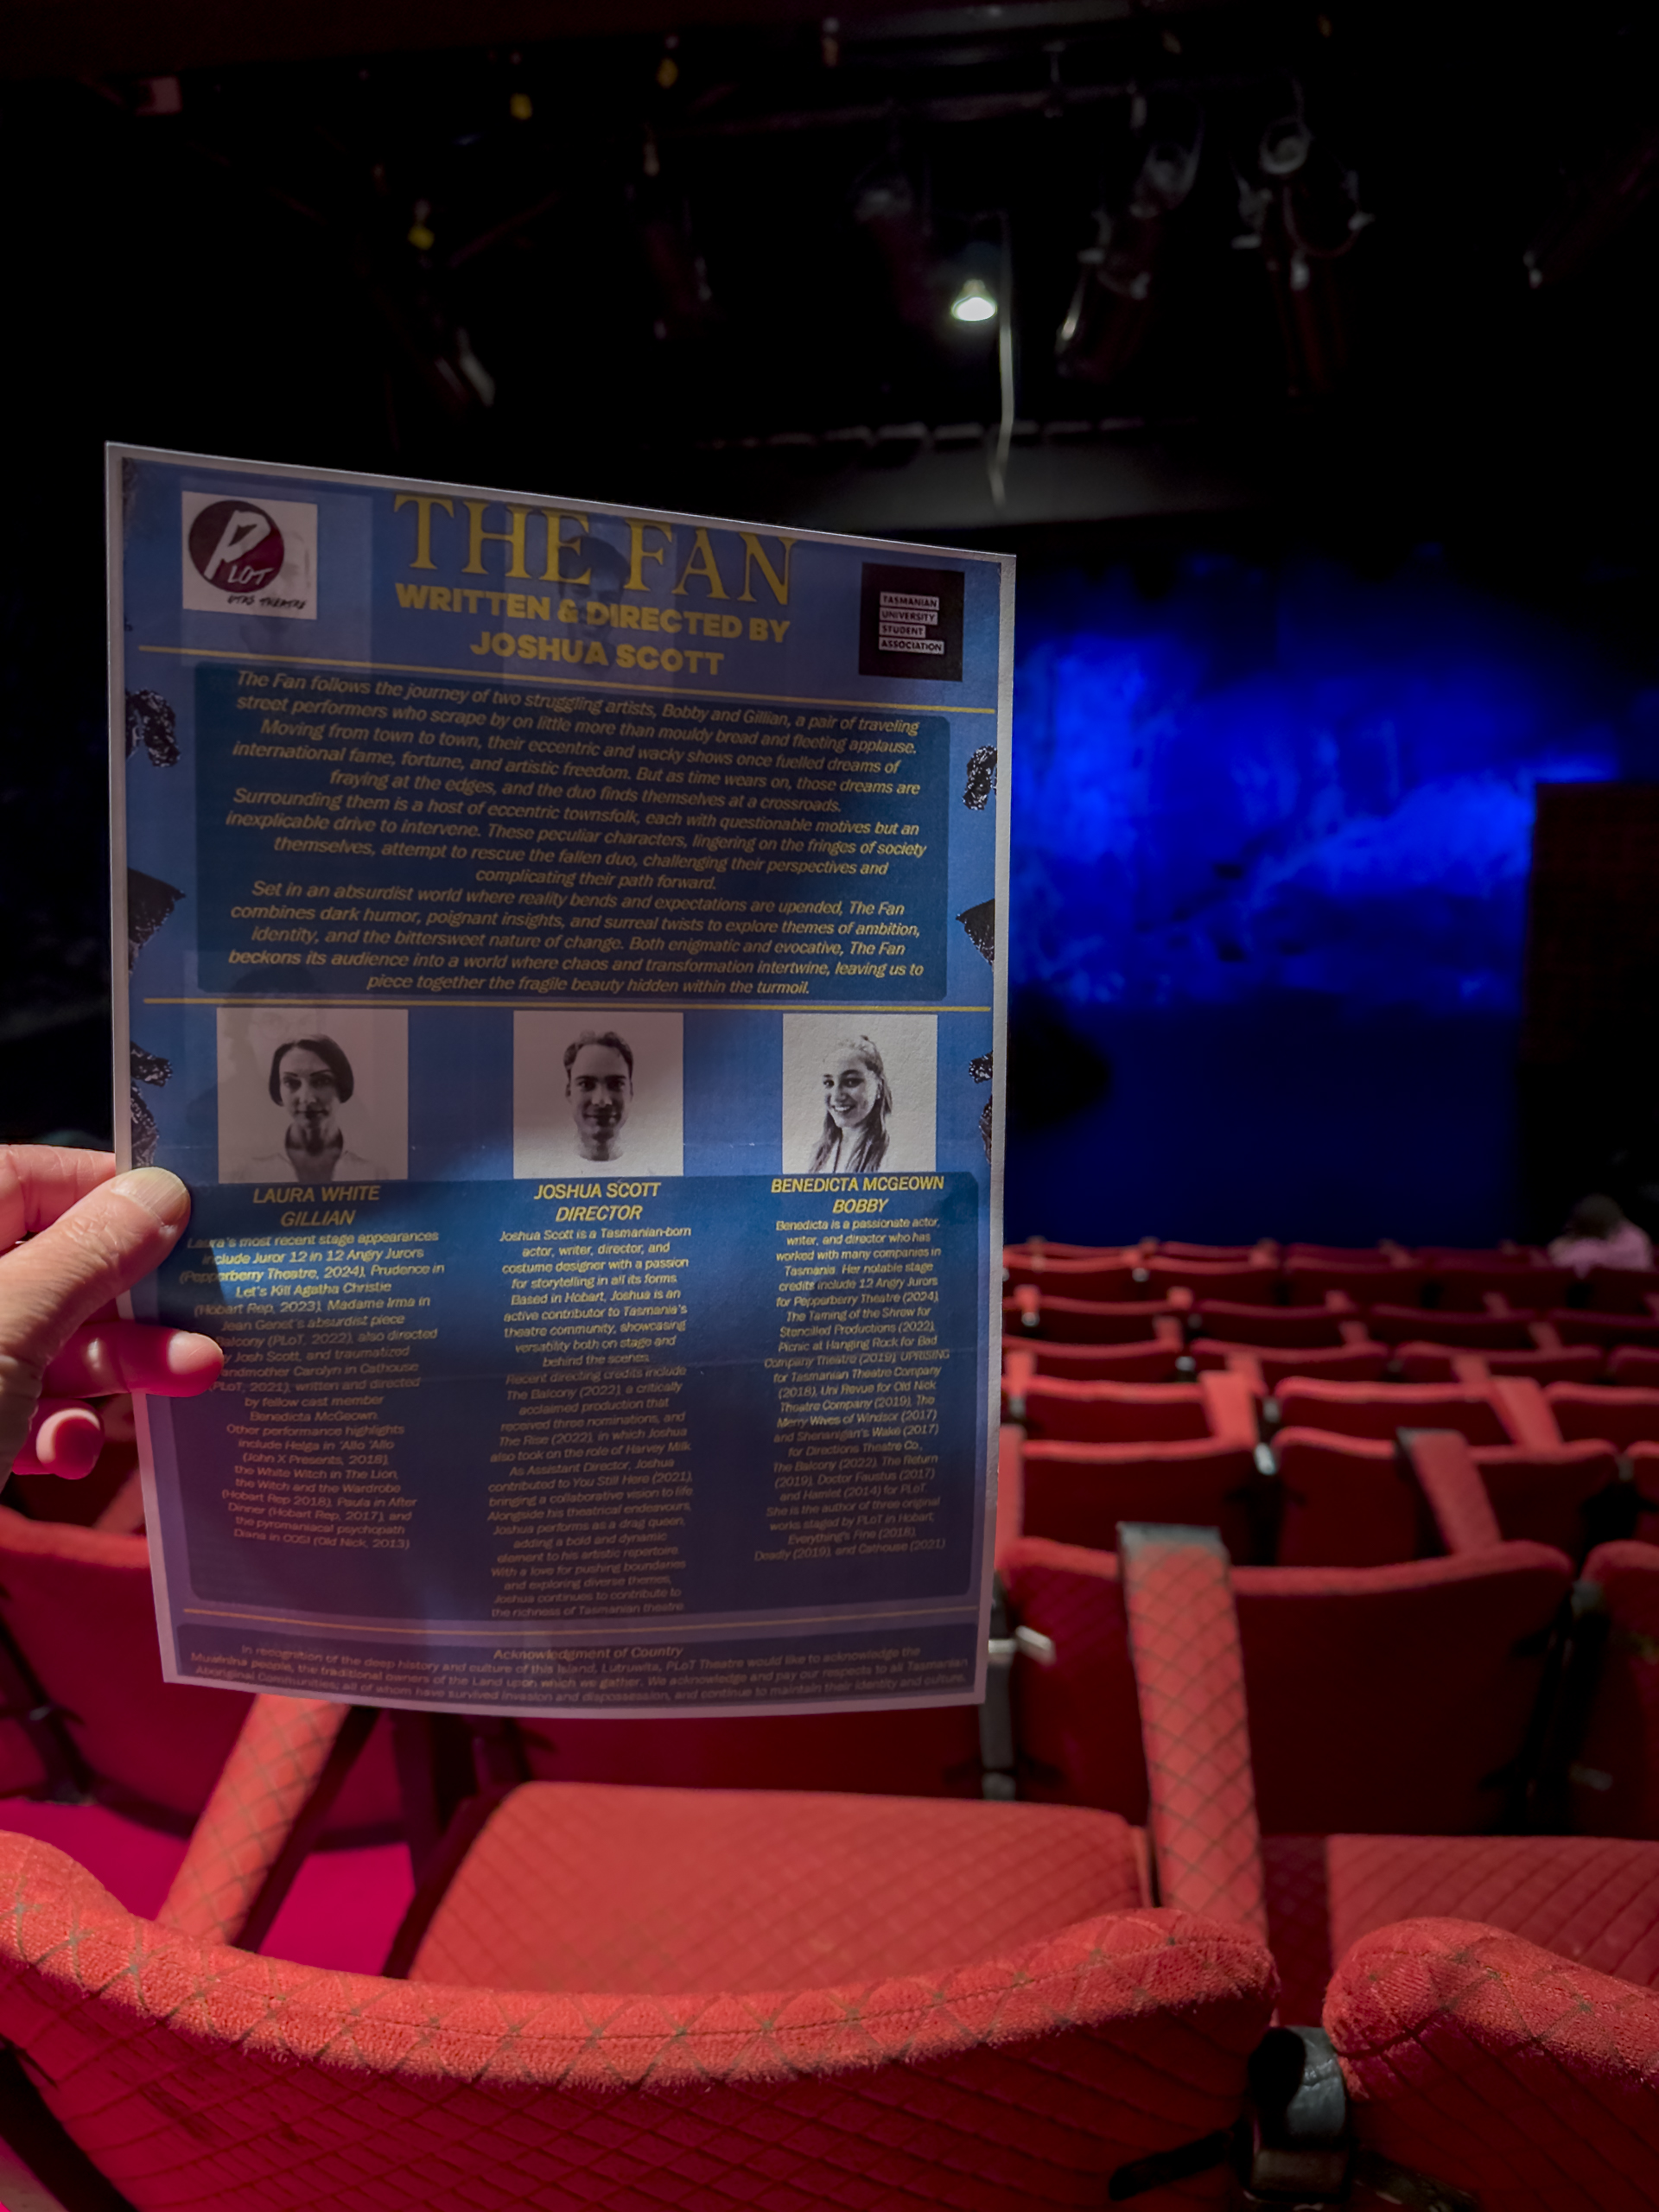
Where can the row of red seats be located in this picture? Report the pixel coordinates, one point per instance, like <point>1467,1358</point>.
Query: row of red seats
<point>1570,1467</point>
<point>925,2004</point>
<point>1306,1275</point>
<point>1159,1342</point>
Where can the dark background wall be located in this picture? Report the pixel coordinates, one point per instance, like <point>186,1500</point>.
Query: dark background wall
<point>1273,829</point>
<point>1318,585</point>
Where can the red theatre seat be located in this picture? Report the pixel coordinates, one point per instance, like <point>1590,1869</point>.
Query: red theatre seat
<point>1105,1278</point>
<point>1215,1407</point>
<point>1617,1415</point>
<point>1267,1370</point>
<point>1312,1328</point>
<point>1381,1699</point>
<point>1614,1777</point>
<point>1368,1283</point>
<point>1625,1290</point>
<point>1430,1362</point>
<point>1033,1313</point>
<point>1347,1500</point>
<point>1359,1503</point>
<point>1523,2073</point>
<point>1463,1284</point>
<point>837,2002</point>
<point>1255,1283</point>
<point>1153,1361</point>
<point>1511,1410</point>
<point>1632,1364</point>
<point>1077,1493</point>
<point>1509,1330</point>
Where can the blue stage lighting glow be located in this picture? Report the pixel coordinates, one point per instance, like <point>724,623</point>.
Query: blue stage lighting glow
<point>1271,817</point>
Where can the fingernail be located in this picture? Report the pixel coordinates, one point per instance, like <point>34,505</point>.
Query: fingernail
<point>158,1190</point>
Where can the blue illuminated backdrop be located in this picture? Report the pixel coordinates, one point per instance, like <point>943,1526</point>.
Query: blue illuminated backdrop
<point>1271,836</point>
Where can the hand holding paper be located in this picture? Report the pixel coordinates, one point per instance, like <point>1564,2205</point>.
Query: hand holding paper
<point>90,1236</point>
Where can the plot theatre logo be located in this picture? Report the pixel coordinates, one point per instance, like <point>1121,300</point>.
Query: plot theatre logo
<point>910,623</point>
<point>250,557</point>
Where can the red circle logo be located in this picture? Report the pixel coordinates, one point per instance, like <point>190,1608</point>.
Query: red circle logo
<point>236,546</point>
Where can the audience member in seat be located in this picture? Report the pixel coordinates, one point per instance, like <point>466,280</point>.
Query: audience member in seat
<point>1598,1235</point>
<point>91,1234</point>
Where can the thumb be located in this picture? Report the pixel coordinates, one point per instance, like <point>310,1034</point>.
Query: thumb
<point>88,1255</point>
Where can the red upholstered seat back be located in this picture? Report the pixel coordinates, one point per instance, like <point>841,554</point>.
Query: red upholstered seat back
<point>1616,1776</point>
<point>1382,1699</point>
<point>1616,1414</point>
<point>233,2083</point>
<point>1102,1279</point>
<point>930,1752</point>
<point>80,1605</point>
<point>1256,1283</point>
<point>1624,1290</point>
<point>1366,1282</point>
<point>1401,1325</point>
<point>1461,1286</point>
<point>1431,1362</point>
<point>1077,1493</point>
<point>1055,1319</point>
<point>1114,1412</point>
<point>1539,1496</point>
<point>1381,1410</point>
<point>1636,1364</point>
<point>1347,1501</point>
<point>1310,1326</point>
<point>1521,2077</point>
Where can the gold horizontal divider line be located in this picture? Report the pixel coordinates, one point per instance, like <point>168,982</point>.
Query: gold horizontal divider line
<point>769,1623</point>
<point>565,1005</point>
<point>566,682</point>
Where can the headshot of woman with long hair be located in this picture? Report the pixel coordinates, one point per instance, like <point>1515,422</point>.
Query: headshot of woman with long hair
<point>857,1102</point>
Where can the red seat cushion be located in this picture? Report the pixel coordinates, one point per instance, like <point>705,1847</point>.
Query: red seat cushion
<point>583,1887</point>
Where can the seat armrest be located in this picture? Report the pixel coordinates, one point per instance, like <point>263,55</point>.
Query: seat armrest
<point>1451,1481</point>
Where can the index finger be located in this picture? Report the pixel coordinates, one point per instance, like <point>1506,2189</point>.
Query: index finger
<point>39,1182</point>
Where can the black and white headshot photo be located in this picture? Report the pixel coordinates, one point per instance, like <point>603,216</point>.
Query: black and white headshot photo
<point>859,1093</point>
<point>307,1095</point>
<point>597,1090</point>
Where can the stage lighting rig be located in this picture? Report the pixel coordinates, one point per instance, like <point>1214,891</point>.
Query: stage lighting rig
<point>1301,212</point>
<point>1113,304</point>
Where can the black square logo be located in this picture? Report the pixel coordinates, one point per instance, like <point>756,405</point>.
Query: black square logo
<point>910,623</point>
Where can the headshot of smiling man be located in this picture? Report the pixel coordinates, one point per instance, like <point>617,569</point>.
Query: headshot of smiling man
<point>598,1091</point>
<point>599,1083</point>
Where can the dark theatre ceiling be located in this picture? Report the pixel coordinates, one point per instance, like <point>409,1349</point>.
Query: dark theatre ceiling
<point>1369,274</point>
<point>1237,252</point>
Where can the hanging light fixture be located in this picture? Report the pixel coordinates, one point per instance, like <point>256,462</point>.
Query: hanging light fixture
<point>975,303</point>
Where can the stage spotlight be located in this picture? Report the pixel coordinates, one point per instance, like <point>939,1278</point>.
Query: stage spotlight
<point>1303,215</point>
<point>1112,306</point>
<point>974,302</point>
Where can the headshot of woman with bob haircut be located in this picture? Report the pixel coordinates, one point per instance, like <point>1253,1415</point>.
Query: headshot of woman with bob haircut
<point>311,1079</point>
<point>857,1104</point>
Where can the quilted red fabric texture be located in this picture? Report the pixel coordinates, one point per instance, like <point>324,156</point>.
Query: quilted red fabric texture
<point>1590,1898</point>
<point>79,1604</point>
<point>1501,2068</point>
<point>278,1759</point>
<point>1411,1684</point>
<point>575,1886</point>
<point>208,2079</point>
<point>1190,1678</point>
